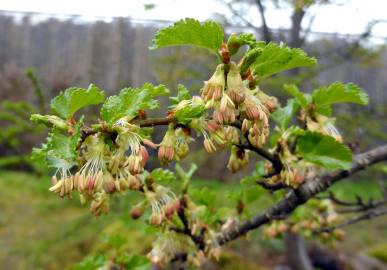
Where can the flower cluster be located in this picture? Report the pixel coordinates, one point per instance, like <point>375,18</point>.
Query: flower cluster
<point>163,203</point>
<point>105,169</point>
<point>322,214</point>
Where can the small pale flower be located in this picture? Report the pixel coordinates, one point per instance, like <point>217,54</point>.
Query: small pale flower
<point>214,87</point>
<point>239,159</point>
<point>235,87</point>
<point>166,151</point>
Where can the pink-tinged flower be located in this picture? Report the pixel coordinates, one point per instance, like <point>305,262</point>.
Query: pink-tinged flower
<point>270,102</point>
<point>64,186</point>
<point>226,112</point>
<point>137,210</point>
<point>166,151</point>
<point>254,109</point>
<point>163,203</point>
<point>89,178</point>
<point>214,87</point>
<point>235,87</point>
<point>100,204</point>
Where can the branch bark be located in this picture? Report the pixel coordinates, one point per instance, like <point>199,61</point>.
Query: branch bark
<point>265,29</point>
<point>302,194</point>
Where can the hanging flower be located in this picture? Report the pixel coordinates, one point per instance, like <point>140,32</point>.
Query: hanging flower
<point>65,184</point>
<point>235,87</point>
<point>183,139</point>
<point>239,159</point>
<point>214,87</point>
<point>166,151</point>
<point>163,203</point>
<point>89,178</point>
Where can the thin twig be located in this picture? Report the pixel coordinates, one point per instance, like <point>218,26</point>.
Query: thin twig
<point>365,216</point>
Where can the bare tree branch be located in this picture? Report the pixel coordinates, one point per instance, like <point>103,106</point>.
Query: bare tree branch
<point>237,14</point>
<point>365,216</point>
<point>302,194</point>
<point>265,29</point>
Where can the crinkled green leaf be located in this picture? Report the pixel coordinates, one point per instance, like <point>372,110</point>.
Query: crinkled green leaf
<point>276,58</point>
<point>283,116</point>
<point>160,175</point>
<point>60,151</point>
<point>208,35</point>
<point>39,155</point>
<point>182,94</point>
<point>204,196</point>
<point>73,99</point>
<point>188,113</point>
<point>302,98</point>
<point>130,100</point>
<point>247,39</point>
<point>336,93</point>
<point>324,150</point>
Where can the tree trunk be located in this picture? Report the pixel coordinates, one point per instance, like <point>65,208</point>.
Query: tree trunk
<point>296,254</point>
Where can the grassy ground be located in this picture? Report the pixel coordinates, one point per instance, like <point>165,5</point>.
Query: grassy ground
<point>40,231</point>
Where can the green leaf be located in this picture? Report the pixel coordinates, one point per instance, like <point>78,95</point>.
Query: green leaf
<point>137,262</point>
<point>302,98</point>
<point>208,35</point>
<point>252,193</point>
<point>130,100</point>
<point>91,263</point>
<point>185,115</point>
<point>247,39</point>
<point>336,93</point>
<point>73,99</point>
<point>182,94</point>
<point>60,151</point>
<point>204,196</point>
<point>324,150</point>
<point>283,116</point>
<point>276,58</point>
<point>160,175</point>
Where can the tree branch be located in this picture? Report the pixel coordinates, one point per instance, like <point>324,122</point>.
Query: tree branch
<point>265,29</point>
<point>365,216</point>
<point>302,194</point>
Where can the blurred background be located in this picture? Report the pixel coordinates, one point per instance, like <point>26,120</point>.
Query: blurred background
<point>48,46</point>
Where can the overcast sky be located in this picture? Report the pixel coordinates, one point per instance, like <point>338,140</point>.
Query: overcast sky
<point>351,17</point>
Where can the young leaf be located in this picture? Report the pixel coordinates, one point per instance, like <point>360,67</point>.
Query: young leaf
<point>276,58</point>
<point>335,93</point>
<point>73,99</point>
<point>60,151</point>
<point>130,100</point>
<point>283,116</point>
<point>160,175</point>
<point>182,94</point>
<point>208,35</point>
<point>324,150</point>
<point>302,99</point>
<point>188,113</point>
